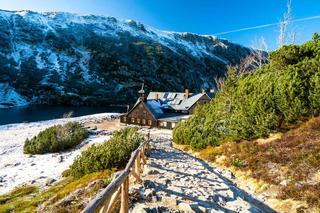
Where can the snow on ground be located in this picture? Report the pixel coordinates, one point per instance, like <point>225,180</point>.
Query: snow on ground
<point>84,64</point>
<point>17,168</point>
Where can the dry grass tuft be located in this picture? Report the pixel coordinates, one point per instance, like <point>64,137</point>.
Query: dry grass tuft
<point>29,199</point>
<point>290,161</point>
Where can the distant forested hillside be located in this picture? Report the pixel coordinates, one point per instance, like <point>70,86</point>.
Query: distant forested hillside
<point>280,94</point>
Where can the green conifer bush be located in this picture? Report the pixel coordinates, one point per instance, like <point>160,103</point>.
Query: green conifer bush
<point>55,139</point>
<point>112,154</point>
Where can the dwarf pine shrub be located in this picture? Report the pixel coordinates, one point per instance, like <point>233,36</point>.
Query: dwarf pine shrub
<point>112,154</point>
<point>273,98</point>
<point>55,139</point>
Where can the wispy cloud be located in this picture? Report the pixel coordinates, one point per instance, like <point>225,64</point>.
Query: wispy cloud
<point>264,26</point>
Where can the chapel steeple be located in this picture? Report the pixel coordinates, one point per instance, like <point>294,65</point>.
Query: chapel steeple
<point>141,93</point>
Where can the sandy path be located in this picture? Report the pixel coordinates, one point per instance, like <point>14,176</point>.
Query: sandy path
<point>176,180</point>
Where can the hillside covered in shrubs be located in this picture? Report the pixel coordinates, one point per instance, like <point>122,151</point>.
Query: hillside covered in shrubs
<point>289,161</point>
<point>55,139</point>
<point>274,98</point>
<point>112,154</point>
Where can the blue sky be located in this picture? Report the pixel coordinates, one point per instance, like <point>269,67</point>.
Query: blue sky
<point>198,16</point>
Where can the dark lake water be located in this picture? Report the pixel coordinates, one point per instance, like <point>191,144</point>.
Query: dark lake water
<point>41,113</point>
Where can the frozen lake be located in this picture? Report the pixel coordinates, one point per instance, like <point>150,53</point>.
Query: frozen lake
<point>42,113</point>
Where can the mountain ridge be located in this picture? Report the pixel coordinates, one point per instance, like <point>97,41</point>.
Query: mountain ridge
<point>65,58</point>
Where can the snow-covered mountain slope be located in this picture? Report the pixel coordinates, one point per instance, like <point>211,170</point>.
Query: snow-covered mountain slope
<point>62,58</point>
<point>9,97</point>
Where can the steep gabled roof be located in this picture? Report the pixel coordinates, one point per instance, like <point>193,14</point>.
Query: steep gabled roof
<point>188,102</point>
<point>152,106</point>
<point>155,108</point>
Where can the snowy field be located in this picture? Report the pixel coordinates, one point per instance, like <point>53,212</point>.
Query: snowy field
<point>17,168</point>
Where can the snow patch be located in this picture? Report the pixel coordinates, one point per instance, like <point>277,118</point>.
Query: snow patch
<point>40,62</point>
<point>84,64</point>
<point>53,59</point>
<point>10,98</point>
<point>21,50</point>
<point>22,13</point>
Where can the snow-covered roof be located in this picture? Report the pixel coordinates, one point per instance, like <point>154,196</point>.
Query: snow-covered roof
<point>175,100</point>
<point>163,105</point>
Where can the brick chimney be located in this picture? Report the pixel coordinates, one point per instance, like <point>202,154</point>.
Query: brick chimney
<point>157,96</point>
<point>186,93</point>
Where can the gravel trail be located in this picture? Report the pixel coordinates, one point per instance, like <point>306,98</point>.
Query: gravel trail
<point>175,181</point>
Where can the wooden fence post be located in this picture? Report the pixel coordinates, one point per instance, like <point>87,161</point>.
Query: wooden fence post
<point>125,196</point>
<point>138,165</point>
<point>113,200</point>
<point>104,209</point>
<point>143,155</point>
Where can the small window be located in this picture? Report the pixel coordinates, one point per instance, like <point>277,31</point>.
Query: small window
<point>125,119</point>
<point>132,120</point>
<point>138,120</point>
<point>163,124</point>
<point>173,125</point>
<point>150,122</point>
<point>144,121</point>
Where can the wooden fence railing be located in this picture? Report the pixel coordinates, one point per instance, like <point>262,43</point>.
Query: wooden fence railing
<point>106,200</point>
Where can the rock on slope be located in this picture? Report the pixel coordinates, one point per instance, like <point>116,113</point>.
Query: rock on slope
<point>62,58</point>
